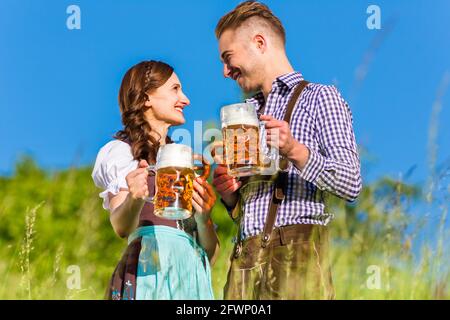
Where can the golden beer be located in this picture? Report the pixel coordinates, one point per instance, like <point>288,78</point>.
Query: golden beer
<point>174,186</point>
<point>241,149</point>
<point>174,181</point>
<point>241,140</point>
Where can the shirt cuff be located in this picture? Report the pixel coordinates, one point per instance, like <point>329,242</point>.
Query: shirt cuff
<point>313,168</point>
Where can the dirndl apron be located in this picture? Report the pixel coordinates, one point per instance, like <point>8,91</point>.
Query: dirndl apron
<point>162,261</point>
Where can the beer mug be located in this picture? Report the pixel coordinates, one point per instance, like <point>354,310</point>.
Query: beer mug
<point>245,151</point>
<point>174,182</point>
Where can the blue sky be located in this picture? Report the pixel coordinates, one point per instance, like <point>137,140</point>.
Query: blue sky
<point>58,87</point>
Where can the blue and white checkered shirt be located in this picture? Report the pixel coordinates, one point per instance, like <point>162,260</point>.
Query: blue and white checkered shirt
<point>322,121</point>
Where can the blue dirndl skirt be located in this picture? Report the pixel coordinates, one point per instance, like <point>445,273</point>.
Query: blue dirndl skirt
<point>162,263</point>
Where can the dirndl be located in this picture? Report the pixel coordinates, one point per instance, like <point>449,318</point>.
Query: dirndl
<point>161,263</point>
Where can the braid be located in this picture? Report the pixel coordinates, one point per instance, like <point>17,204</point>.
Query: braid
<point>136,85</point>
<point>148,72</point>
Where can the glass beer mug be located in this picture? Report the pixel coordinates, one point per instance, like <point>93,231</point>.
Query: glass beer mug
<point>245,151</point>
<point>174,181</point>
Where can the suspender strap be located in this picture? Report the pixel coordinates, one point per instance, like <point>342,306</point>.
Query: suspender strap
<point>282,176</point>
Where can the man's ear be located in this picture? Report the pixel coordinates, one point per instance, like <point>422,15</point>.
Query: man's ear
<point>260,42</point>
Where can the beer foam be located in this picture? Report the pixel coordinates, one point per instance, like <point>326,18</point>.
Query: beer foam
<point>239,113</point>
<point>174,155</point>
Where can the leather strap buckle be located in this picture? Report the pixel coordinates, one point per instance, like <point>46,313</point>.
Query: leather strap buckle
<point>238,250</point>
<point>279,194</point>
<point>265,240</point>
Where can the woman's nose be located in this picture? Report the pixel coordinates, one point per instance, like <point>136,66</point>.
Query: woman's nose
<point>184,100</point>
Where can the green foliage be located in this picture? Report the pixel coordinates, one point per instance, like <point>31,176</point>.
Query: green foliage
<point>70,228</point>
<point>51,221</point>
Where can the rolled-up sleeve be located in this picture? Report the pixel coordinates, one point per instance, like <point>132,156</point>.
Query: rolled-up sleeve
<point>335,167</point>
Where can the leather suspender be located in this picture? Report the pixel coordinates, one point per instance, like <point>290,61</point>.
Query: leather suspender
<point>282,176</point>
<point>281,181</point>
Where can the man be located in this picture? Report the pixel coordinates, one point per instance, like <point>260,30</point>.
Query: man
<point>288,259</point>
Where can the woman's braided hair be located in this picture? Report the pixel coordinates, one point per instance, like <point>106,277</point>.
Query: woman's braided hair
<point>139,81</point>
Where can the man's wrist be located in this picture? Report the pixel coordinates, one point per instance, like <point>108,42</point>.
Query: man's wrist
<point>298,155</point>
<point>229,205</point>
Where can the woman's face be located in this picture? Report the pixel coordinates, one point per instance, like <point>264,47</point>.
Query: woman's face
<point>167,103</point>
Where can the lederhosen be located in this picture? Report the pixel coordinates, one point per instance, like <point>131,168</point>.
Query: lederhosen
<point>288,262</point>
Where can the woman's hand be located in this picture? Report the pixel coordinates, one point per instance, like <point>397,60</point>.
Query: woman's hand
<point>203,200</point>
<point>137,181</point>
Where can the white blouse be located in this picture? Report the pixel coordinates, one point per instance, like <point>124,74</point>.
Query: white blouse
<point>114,162</point>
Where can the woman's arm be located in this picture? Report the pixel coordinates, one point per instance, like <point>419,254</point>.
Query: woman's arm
<point>126,206</point>
<point>208,239</point>
<point>203,201</point>
<point>125,212</point>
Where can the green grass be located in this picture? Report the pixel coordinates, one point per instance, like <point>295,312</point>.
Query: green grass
<point>51,221</point>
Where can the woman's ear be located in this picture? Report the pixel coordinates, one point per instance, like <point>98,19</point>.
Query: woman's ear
<point>147,103</point>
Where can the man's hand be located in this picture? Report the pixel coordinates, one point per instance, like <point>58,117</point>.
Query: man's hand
<point>279,136</point>
<point>226,185</point>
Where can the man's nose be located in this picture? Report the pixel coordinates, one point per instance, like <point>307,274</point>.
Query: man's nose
<point>226,71</point>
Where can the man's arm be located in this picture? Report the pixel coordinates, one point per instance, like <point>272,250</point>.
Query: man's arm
<point>336,168</point>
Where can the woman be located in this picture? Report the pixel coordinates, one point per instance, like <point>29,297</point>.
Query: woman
<point>163,259</point>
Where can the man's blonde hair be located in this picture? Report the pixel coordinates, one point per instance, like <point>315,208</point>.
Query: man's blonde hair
<point>250,9</point>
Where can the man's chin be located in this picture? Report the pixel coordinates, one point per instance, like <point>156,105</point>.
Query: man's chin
<point>248,90</point>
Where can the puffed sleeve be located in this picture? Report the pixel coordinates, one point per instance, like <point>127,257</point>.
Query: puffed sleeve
<point>114,162</point>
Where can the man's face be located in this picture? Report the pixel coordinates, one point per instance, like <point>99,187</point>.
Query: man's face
<point>240,60</point>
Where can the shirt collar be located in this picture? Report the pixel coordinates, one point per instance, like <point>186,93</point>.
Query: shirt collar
<point>258,100</point>
<point>289,80</point>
